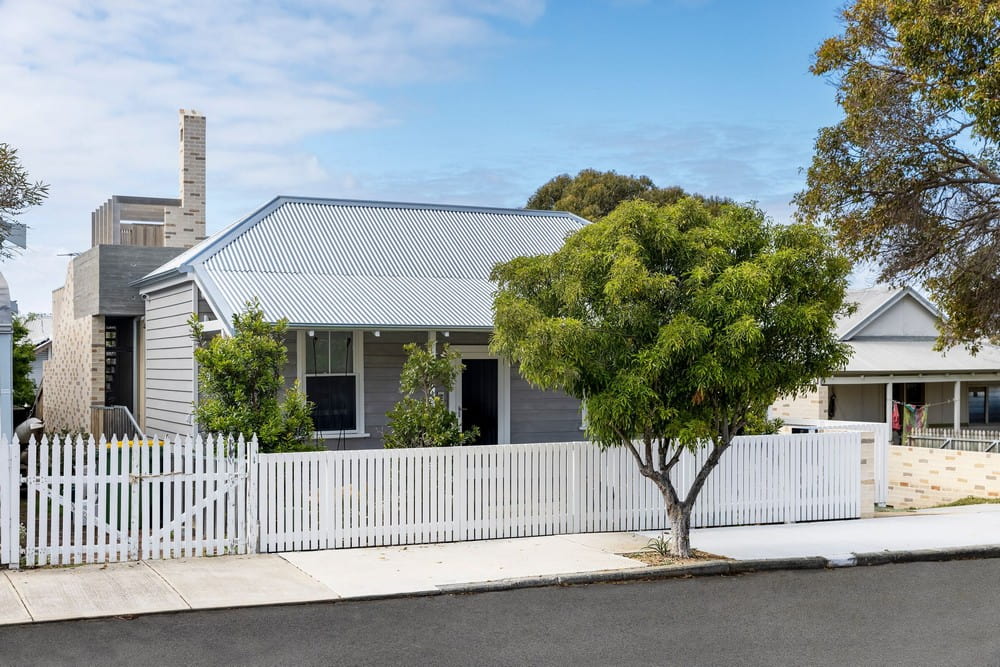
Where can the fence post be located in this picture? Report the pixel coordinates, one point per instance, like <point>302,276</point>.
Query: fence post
<point>10,505</point>
<point>253,499</point>
<point>135,487</point>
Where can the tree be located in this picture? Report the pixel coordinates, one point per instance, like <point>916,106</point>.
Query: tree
<point>593,194</point>
<point>24,357</point>
<point>239,382</point>
<point>675,325</point>
<point>422,418</point>
<point>910,178</point>
<point>17,193</point>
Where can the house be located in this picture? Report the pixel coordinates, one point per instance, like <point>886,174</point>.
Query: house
<point>40,336</point>
<point>357,280</point>
<point>892,335</point>
<point>97,316</point>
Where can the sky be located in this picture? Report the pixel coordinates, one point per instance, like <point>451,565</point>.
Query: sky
<point>445,101</point>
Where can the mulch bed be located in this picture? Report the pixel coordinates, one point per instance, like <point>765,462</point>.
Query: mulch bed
<point>653,558</point>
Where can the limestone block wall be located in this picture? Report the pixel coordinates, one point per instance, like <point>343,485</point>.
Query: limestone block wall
<point>812,405</point>
<point>867,475</point>
<point>184,225</point>
<point>74,374</point>
<point>923,477</point>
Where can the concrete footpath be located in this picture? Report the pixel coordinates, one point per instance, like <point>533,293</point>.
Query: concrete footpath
<point>125,589</point>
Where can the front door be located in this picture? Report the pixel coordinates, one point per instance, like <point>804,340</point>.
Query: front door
<point>479,399</point>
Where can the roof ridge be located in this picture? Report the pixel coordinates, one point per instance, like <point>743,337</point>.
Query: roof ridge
<point>381,203</point>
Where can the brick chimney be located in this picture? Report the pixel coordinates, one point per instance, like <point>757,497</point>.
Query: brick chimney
<point>184,226</point>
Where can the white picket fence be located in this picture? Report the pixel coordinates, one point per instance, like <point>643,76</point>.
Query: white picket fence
<point>108,501</point>
<point>328,500</point>
<point>95,502</point>
<point>10,504</point>
<point>883,440</point>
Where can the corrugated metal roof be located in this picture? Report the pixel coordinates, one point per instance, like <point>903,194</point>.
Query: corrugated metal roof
<point>868,301</point>
<point>884,356</point>
<point>368,264</point>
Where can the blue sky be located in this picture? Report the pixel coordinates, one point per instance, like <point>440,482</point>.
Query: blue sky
<point>450,101</point>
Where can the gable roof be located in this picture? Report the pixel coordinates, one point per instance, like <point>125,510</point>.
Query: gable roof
<point>873,303</point>
<point>366,264</point>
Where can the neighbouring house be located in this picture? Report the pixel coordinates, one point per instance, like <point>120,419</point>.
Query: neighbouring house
<point>357,280</point>
<point>97,315</point>
<point>40,336</point>
<point>892,335</point>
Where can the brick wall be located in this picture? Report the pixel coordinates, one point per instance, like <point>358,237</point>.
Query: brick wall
<point>812,405</point>
<point>74,375</point>
<point>184,225</point>
<point>923,477</point>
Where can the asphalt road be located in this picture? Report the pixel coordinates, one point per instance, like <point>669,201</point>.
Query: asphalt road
<point>913,614</point>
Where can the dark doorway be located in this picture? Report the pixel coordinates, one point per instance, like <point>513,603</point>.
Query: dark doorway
<point>479,399</point>
<point>119,380</point>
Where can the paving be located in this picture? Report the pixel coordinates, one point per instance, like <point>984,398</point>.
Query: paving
<point>128,589</point>
<point>414,569</point>
<point>942,528</point>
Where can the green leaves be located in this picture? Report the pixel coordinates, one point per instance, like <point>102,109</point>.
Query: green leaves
<point>17,192</point>
<point>675,322</point>
<point>23,357</point>
<point>593,194</point>
<point>422,418</point>
<point>910,178</point>
<point>239,383</point>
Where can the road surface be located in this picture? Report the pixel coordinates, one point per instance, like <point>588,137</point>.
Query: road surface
<point>913,614</point>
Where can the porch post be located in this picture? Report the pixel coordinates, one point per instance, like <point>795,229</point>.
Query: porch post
<point>957,406</point>
<point>888,403</point>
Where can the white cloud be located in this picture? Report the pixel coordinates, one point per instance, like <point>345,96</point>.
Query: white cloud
<point>96,85</point>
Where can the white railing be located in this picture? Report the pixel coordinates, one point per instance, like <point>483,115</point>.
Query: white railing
<point>969,440</point>
<point>328,500</point>
<point>883,440</point>
<point>97,502</point>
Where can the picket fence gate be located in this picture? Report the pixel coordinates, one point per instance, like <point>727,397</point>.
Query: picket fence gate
<point>883,440</point>
<point>108,501</point>
<point>116,500</point>
<point>323,500</point>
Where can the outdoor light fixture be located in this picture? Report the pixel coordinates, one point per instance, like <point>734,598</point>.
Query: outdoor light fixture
<point>377,333</point>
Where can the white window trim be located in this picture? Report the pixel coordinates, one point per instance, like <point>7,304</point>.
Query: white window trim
<point>358,362</point>
<point>503,388</point>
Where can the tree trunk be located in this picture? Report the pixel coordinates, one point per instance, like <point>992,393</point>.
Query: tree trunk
<point>680,530</point>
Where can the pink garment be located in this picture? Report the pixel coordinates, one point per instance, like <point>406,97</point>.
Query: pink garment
<point>896,424</point>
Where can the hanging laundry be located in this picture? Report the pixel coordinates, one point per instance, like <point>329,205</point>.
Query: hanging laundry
<point>895,417</point>
<point>920,420</point>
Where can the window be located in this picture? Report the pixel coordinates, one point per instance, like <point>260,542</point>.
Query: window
<point>984,405</point>
<point>332,381</point>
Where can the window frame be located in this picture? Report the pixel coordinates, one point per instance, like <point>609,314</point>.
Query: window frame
<point>358,366</point>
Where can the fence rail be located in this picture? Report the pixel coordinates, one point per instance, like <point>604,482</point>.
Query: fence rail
<point>98,501</point>
<point>327,500</point>
<point>969,440</point>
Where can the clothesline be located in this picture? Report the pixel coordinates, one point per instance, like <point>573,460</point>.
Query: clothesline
<point>924,405</point>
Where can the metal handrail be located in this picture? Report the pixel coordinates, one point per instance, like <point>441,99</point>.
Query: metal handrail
<point>122,422</point>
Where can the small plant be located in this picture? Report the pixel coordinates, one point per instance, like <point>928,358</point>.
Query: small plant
<point>660,545</point>
<point>422,418</point>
